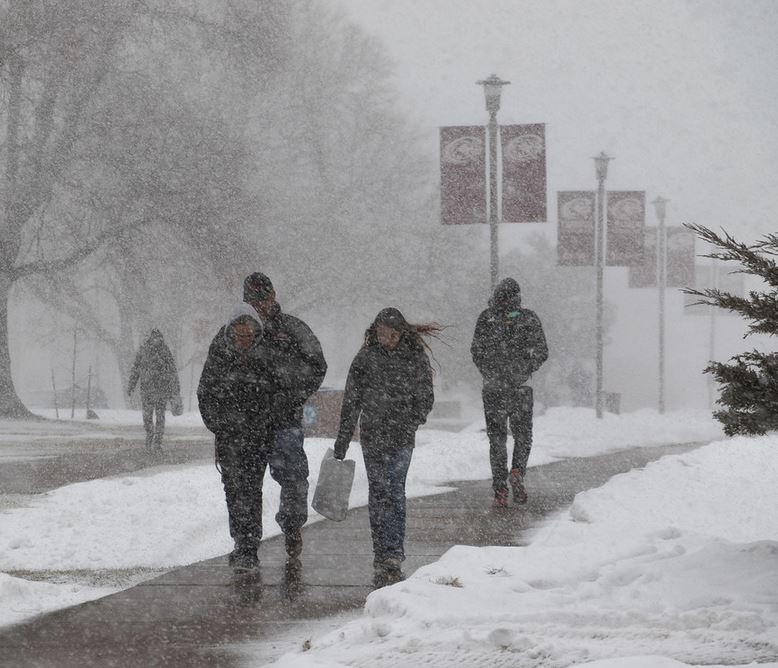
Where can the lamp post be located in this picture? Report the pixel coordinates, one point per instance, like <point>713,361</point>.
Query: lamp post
<point>601,168</point>
<point>715,284</point>
<point>492,91</point>
<point>660,205</point>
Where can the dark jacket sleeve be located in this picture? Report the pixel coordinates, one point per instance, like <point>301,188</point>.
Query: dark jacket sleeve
<point>424,395</point>
<point>210,391</point>
<point>351,406</point>
<point>135,372</point>
<point>537,348</point>
<point>479,347</point>
<point>172,373</point>
<point>299,378</point>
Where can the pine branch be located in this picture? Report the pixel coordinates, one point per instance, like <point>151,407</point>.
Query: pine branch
<point>752,258</point>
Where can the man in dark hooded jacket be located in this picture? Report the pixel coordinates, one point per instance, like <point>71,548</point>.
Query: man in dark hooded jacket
<point>299,368</point>
<point>508,347</point>
<point>234,396</point>
<point>155,368</point>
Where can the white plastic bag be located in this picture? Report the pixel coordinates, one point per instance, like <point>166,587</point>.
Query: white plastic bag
<point>333,487</point>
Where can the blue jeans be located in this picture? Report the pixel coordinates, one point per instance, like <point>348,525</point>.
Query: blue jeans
<point>289,468</point>
<point>386,474</point>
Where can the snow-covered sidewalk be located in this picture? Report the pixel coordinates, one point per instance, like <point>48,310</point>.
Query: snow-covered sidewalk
<point>678,560</point>
<point>649,563</point>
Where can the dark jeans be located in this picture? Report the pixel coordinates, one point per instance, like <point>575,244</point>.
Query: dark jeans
<point>151,408</point>
<point>386,474</point>
<point>289,468</point>
<point>243,459</point>
<point>504,407</point>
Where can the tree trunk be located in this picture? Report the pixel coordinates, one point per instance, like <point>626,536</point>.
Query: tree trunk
<point>10,404</point>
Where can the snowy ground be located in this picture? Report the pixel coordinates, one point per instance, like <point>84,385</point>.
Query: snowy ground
<point>678,560</point>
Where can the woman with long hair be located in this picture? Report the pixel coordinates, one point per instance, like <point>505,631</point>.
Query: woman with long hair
<point>389,392</point>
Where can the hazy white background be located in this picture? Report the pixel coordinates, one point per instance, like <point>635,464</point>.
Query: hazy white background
<point>682,93</point>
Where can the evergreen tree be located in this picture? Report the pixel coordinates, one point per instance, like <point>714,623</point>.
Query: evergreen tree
<point>749,381</point>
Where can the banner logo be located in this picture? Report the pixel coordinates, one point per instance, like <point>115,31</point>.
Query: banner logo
<point>575,234</point>
<point>462,175</point>
<point>625,235</point>
<point>523,173</point>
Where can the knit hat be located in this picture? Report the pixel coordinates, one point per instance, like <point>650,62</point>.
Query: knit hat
<point>257,287</point>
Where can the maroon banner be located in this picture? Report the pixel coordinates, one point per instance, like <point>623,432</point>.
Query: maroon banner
<point>523,173</point>
<point>626,222</point>
<point>644,275</point>
<point>680,257</point>
<point>463,175</point>
<point>575,233</point>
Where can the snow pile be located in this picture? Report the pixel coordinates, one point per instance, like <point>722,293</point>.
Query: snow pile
<point>678,560</point>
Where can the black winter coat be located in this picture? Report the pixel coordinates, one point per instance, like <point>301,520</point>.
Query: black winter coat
<point>508,343</point>
<point>235,388</point>
<point>155,368</point>
<point>298,364</point>
<point>387,392</point>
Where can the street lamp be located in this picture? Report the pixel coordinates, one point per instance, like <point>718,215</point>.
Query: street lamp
<point>601,168</point>
<point>660,205</point>
<point>492,91</point>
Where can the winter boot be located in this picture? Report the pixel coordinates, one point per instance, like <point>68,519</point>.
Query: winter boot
<point>294,544</point>
<point>245,562</point>
<point>387,572</point>
<point>517,485</point>
<point>501,498</point>
<point>244,558</point>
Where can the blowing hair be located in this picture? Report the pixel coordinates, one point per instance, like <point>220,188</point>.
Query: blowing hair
<point>414,335</point>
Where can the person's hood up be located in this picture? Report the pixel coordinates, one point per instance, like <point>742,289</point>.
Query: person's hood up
<point>239,311</point>
<point>506,295</point>
<point>391,317</point>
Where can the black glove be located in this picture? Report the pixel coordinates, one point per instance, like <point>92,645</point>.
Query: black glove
<point>340,449</point>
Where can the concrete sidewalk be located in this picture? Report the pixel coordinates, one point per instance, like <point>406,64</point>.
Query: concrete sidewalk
<point>200,615</point>
<point>47,462</point>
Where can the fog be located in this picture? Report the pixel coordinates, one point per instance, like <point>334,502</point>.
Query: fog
<point>307,148</point>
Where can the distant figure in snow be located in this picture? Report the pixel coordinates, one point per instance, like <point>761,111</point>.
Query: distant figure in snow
<point>155,368</point>
<point>508,347</point>
<point>389,391</point>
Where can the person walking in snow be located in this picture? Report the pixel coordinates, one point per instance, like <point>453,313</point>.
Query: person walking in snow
<point>508,347</point>
<point>155,368</point>
<point>389,391</point>
<point>299,368</point>
<point>234,395</point>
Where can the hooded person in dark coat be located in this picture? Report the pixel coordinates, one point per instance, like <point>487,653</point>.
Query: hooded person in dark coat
<point>389,392</point>
<point>299,368</point>
<point>155,368</point>
<point>234,395</point>
<point>508,347</point>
